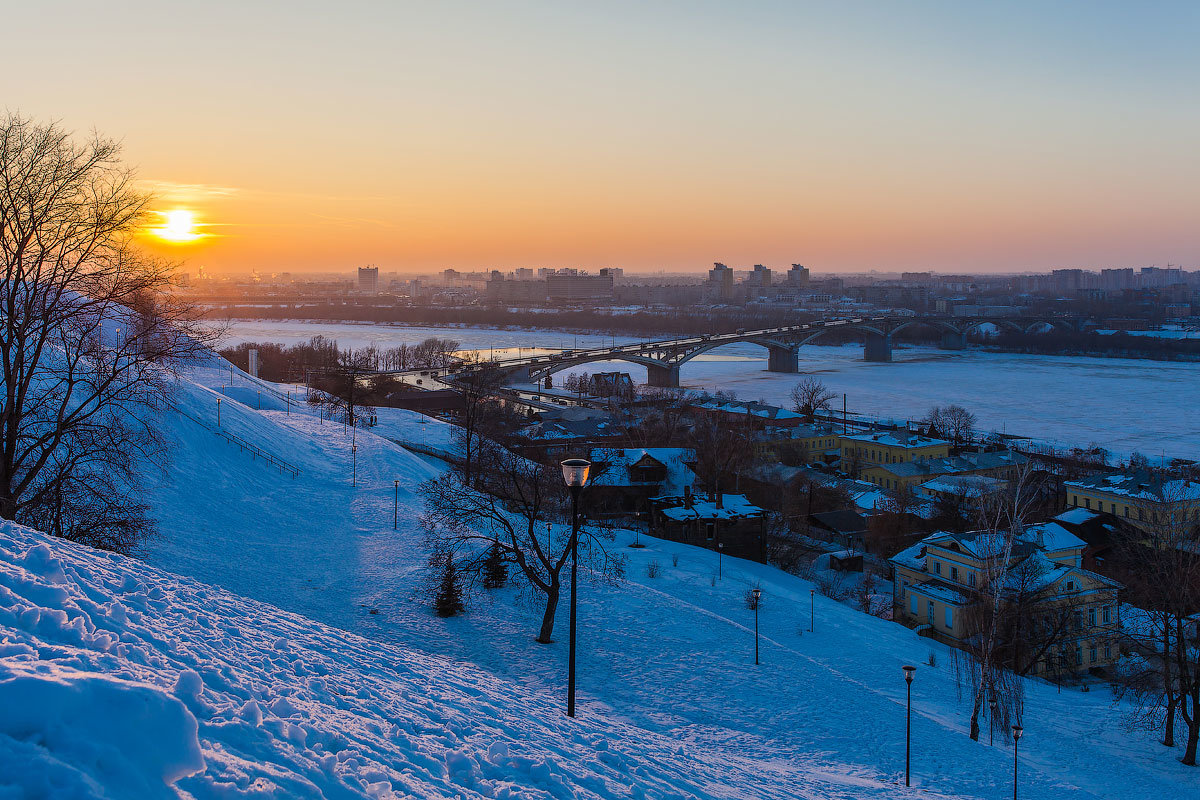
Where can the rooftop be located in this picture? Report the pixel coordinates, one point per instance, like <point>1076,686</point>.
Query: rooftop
<point>897,439</point>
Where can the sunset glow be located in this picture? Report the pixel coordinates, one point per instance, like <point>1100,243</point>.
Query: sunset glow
<point>955,137</point>
<point>177,227</point>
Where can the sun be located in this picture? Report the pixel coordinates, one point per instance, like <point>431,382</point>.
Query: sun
<point>177,226</point>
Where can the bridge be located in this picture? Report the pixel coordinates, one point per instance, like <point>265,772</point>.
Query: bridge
<point>663,359</point>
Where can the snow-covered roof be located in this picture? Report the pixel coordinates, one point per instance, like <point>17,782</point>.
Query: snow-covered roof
<point>619,461</point>
<point>970,462</point>
<point>1077,516</point>
<point>967,485</point>
<point>897,439</point>
<point>1140,486</point>
<point>733,506</point>
<point>1052,537</point>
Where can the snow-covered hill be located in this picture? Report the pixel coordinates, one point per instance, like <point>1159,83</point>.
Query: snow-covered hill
<point>667,678</point>
<point>118,680</point>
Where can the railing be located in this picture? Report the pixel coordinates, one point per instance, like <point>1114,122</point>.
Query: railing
<point>243,445</point>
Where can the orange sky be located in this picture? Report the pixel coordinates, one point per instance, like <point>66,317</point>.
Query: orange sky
<point>645,135</point>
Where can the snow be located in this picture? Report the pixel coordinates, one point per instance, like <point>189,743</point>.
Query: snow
<point>318,670</point>
<point>1066,400</point>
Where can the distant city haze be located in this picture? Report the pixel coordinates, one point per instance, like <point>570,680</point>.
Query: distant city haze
<point>956,137</point>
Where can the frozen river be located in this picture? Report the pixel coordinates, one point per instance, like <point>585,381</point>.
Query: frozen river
<point>1120,404</point>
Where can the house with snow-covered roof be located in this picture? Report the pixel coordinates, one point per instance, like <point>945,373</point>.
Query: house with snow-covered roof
<point>726,522</point>
<point>624,479</point>
<point>890,447</point>
<point>1001,464</point>
<point>1063,618</point>
<point>1143,499</point>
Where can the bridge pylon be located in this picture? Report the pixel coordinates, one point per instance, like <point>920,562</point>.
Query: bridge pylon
<point>783,359</point>
<point>665,376</point>
<point>878,348</point>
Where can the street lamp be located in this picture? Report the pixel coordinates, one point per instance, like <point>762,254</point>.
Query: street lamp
<point>218,412</point>
<point>575,475</point>
<point>1017,730</point>
<point>992,705</point>
<point>908,679</point>
<point>812,610</point>
<point>757,592</point>
<point>354,465</point>
<point>720,558</point>
<point>396,505</point>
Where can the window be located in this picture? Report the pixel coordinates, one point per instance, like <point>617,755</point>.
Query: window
<point>1070,586</point>
<point>937,567</point>
<point>1126,511</point>
<point>914,605</point>
<point>1107,614</point>
<point>1078,656</point>
<point>1092,619</point>
<point>1087,501</point>
<point>949,617</point>
<point>1092,654</point>
<point>929,609</point>
<point>1077,619</point>
<point>954,574</point>
<point>1108,651</point>
<point>971,579</point>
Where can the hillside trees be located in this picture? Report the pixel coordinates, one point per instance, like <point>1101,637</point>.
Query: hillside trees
<point>89,337</point>
<point>517,512</point>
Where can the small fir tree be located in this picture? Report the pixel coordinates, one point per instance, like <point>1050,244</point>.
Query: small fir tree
<point>448,600</point>
<point>495,571</point>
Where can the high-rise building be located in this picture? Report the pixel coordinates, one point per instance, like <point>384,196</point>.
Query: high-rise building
<point>798,276</point>
<point>573,285</point>
<point>759,278</point>
<point>368,279</point>
<point>720,281</point>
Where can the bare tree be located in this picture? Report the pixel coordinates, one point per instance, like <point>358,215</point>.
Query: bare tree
<point>341,390</point>
<point>810,396</point>
<point>479,410</point>
<point>1160,567</point>
<point>518,512</point>
<point>983,657</point>
<point>723,451</point>
<point>951,422</point>
<point>90,334</point>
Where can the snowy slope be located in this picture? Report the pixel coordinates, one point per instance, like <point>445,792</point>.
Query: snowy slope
<point>672,656</point>
<point>118,680</point>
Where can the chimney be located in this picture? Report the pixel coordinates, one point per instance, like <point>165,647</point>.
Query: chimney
<point>720,500</point>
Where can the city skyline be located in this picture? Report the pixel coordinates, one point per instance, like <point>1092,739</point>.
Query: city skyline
<point>658,137</point>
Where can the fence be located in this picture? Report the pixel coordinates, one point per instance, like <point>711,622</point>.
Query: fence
<point>243,445</point>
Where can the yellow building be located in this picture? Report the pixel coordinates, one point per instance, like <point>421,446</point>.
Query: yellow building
<point>811,444</point>
<point>1003,465</point>
<point>890,447</point>
<point>1145,500</point>
<point>937,585</point>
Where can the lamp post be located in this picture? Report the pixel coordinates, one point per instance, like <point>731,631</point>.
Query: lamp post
<point>1017,730</point>
<point>354,465</point>
<point>992,705</point>
<point>812,610</point>
<point>757,592</point>
<point>218,412</point>
<point>575,475</point>
<point>908,679</point>
<point>396,505</point>
<point>720,558</point>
